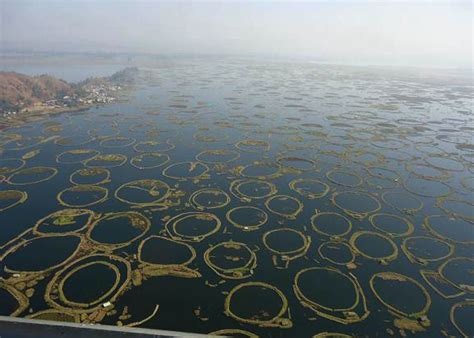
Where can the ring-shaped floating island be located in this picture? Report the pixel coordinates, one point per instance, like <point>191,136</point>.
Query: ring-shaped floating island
<point>392,225</point>
<point>106,161</point>
<point>263,295</point>
<point>217,156</point>
<point>127,226</point>
<point>187,170</point>
<point>253,146</point>
<point>9,165</point>
<point>463,311</point>
<point>390,248</point>
<point>328,284</point>
<point>444,163</point>
<point>457,208</point>
<point>32,175</point>
<point>90,176</point>
<point>426,171</point>
<point>114,271</point>
<point>11,198</point>
<point>331,335</point>
<point>284,205</point>
<point>162,256</point>
<point>232,260</point>
<point>149,160</point>
<point>144,193</point>
<point>424,249</point>
<point>117,142</point>
<point>401,292</point>
<point>249,189</point>
<point>73,141</point>
<point>337,252</point>
<point>65,221</point>
<point>238,333</point>
<point>209,198</point>
<point>211,136</point>
<point>427,187</point>
<point>55,315</point>
<point>286,244</point>
<point>331,224</point>
<point>156,251</point>
<point>384,173</point>
<point>381,183</point>
<point>453,229</point>
<point>297,164</point>
<point>402,201</point>
<point>153,146</point>
<point>309,188</point>
<point>343,178</point>
<point>366,158</point>
<point>17,259</point>
<point>252,218</point>
<point>458,271</point>
<point>261,170</point>
<point>200,225</point>
<point>80,196</point>
<point>17,303</point>
<point>351,202</point>
<point>76,156</point>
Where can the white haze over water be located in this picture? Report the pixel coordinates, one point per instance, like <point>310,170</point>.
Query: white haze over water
<point>414,33</point>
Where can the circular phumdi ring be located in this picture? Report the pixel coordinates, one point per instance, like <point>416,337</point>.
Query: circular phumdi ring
<point>276,321</point>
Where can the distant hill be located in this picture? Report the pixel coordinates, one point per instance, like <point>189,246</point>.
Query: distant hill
<point>18,90</point>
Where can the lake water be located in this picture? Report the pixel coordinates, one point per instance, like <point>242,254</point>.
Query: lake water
<point>283,199</point>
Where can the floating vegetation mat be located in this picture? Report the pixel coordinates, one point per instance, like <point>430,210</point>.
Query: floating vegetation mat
<point>249,199</point>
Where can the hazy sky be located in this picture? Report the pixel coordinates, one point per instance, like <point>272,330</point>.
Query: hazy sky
<point>436,33</point>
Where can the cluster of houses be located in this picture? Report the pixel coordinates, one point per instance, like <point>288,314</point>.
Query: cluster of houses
<point>92,94</point>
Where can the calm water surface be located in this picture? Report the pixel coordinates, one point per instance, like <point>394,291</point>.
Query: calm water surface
<point>390,158</point>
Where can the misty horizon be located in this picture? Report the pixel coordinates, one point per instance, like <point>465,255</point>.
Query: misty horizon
<point>409,34</point>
